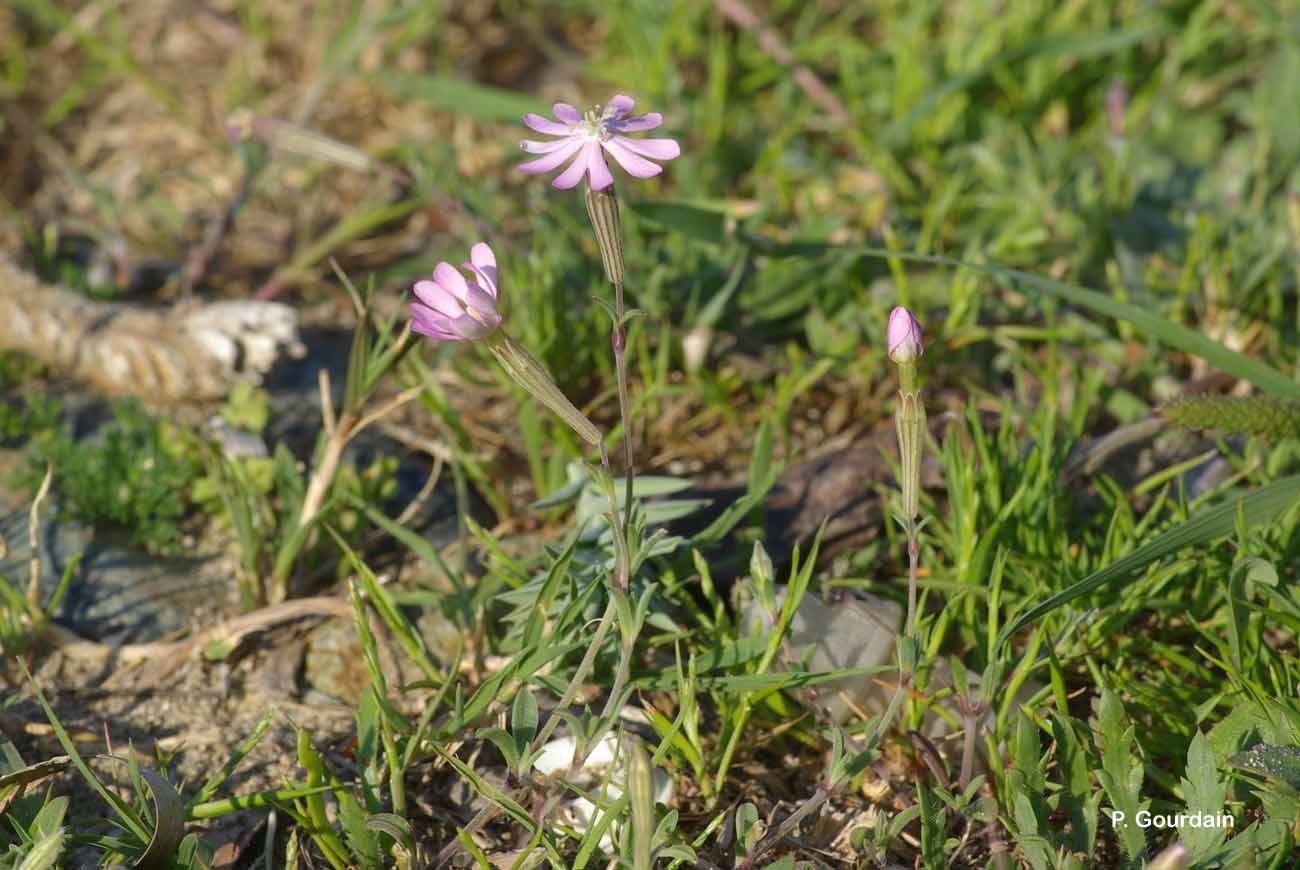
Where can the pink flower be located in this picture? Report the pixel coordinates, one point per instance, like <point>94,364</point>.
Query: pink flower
<point>904,336</point>
<point>452,308</point>
<point>585,135</point>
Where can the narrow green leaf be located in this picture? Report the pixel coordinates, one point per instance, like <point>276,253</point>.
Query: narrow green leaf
<point>523,716</point>
<point>1259,507</point>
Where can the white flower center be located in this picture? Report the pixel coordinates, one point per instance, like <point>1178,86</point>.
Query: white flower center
<point>595,123</point>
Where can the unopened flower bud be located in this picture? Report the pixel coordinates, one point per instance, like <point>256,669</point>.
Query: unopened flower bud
<point>904,336</point>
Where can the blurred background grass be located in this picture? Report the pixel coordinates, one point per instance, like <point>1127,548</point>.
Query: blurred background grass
<point>1149,150</point>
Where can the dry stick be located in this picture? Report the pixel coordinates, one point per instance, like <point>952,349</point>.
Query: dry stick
<point>199,260</point>
<point>771,42</point>
<point>33,536</point>
<point>827,786</point>
<point>971,713</point>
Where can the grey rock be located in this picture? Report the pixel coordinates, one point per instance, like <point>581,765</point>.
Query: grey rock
<point>116,595</point>
<point>854,633</point>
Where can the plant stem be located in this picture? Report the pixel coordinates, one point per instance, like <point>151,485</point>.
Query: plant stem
<point>584,667</point>
<point>913,565</point>
<point>970,722</point>
<point>622,555</point>
<point>618,339</point>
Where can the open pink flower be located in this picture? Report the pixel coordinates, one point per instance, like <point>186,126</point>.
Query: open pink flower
<point>451,308</point>
<point>585,136</point>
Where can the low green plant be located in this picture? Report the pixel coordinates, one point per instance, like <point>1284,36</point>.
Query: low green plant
<point>133,476</point>
<point>36,415</point>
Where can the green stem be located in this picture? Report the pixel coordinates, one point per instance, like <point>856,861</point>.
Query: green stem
<point>618,339</point>
<point>584,667</point>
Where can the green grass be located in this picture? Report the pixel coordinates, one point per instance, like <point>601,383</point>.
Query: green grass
<point>1111,640</point>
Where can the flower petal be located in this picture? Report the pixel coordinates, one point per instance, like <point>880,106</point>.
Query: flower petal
<point>598,170</point>
<point>471,329</point>
<point>619,105</point>
<point>634,163</point>
<point>481,255</point>
<point>451,280</point>
<point>484,304</point>
<point>436,298</point>
<point>554,158</point>
<point>484,265</point>
<point>638,124</point>
<point>566,113</point>
<point>534,147</point>
<point>543,125</point>
<point>656,149</point>
<point>485,283</point>
<point>429,322</point>
<point>571,176</point>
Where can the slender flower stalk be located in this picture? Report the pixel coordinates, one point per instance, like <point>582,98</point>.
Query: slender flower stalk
<point>587,137</point>
<point>602,208</point>
<point>905,346</point>
<point>450,308</point>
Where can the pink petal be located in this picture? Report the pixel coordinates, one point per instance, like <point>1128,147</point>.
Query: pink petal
<point>481,255</point>
<point>571,176</point>
<point>437,299</point>
<point>451,280</point>
<point>468,328</point>
<point>638,124</point>
<point>487,283</point>
<point>553,159</point>
<point>550,128</point>
<point>566,113</point>
<point>598,171</point>
<point>484,264</point>
<point>657,149</point>
<point>484,303</point>
<point>621,105</point>
<point>633,163</point>
<point>428,322</point>
<point>534,147</point>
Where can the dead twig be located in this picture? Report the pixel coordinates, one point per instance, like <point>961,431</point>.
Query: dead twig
<point>33,535</point>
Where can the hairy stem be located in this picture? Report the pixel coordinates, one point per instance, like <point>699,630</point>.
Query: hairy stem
<point>618,339</point>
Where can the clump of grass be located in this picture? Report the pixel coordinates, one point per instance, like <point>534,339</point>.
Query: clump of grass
<point>132,477</point>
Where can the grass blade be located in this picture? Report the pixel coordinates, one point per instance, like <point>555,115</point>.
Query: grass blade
<point>1261,506</point>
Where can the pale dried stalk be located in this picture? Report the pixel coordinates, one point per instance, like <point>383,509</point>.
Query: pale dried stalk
<point>33,537</point>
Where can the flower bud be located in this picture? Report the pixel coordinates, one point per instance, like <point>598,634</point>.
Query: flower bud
<point>904,336</point>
